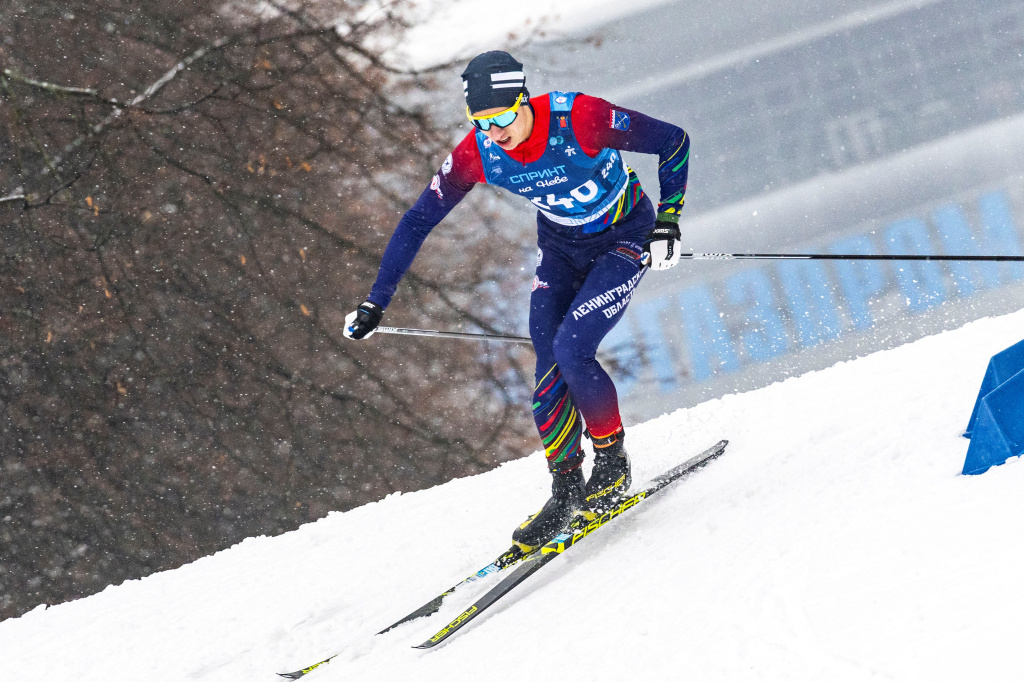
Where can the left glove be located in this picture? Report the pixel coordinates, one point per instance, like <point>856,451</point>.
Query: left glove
<point>360,323</point>
<point>662,245</point>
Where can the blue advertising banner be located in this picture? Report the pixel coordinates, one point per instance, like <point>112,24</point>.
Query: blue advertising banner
<point>687,340</point>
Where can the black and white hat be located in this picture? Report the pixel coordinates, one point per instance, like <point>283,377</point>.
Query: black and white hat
<point>493,79</point>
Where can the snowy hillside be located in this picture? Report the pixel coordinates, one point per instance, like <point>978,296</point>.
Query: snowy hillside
<point>835,540</point>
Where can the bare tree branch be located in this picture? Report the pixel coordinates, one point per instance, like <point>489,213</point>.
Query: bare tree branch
<point>178,261</point>
<point>51,87</point>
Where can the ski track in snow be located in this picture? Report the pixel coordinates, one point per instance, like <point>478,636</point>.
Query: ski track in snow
<point>835,540</point>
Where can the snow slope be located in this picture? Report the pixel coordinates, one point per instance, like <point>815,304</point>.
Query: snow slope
<point>835,540</point>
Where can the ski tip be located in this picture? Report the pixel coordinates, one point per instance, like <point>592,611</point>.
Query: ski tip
<point>424,611</point>
<point>717,450</point>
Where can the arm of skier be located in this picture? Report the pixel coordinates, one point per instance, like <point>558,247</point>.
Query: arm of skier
<point>457,175</point>
<point>600,124</point>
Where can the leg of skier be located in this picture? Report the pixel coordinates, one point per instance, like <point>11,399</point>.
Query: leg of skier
<point>580,292</point>
<point>597,308</point>
<point>559,423</point>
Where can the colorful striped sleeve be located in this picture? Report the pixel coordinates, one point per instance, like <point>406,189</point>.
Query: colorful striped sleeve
<point>600,124</point>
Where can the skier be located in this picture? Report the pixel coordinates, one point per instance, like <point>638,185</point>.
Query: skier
<point>597,234</point>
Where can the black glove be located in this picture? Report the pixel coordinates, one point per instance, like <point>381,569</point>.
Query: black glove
<point>361,322</point>
<point>662,245</point>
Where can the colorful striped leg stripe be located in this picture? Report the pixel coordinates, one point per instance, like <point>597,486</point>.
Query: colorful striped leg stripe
<point>558,421</point>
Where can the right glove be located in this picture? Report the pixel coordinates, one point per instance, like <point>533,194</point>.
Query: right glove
<point>360,323</point>
<point>662,245</point>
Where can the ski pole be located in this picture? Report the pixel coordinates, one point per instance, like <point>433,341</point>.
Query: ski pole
<point>467,336</point>
<point>844,256</point>
<point>472,336</point>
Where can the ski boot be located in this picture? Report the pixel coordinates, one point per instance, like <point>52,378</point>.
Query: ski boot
<point>557,512</point>
<point>610,478</point>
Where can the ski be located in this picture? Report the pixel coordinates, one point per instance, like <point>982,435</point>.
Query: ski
<point>308,669</point>
<point>533,562</point>
<point>509,558</point>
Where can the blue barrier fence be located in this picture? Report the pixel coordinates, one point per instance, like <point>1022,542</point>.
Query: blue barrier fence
<point>996,426</point>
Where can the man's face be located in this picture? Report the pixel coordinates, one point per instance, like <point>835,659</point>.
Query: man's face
<point>515,133</point>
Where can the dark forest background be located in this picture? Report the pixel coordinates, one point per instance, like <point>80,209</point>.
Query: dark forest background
<point>192,196</point>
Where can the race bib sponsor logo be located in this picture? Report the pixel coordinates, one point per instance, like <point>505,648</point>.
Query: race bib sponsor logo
<point>554,171</point>
<point>552,181</point>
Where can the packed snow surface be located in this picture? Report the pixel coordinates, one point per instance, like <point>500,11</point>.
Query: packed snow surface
<point>835,540</point>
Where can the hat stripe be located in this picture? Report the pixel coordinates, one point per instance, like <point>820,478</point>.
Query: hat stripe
<point>495,86</point>
<point>508,76</point>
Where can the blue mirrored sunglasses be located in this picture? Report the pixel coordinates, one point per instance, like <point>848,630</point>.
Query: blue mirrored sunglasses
<point>502,119</point>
